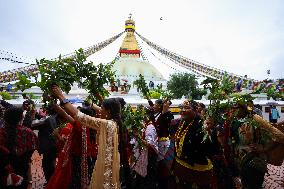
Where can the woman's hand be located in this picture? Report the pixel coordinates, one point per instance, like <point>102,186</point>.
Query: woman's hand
<point>100,97</point>
<point>57,92</point>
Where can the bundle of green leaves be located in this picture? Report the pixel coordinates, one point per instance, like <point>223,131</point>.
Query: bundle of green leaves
<point>142,86</point>
<point>94,78</point>
<point>219,97</point>
<point>134,122</point>
<point>225,105</point>
<point>64,72</point>
<point>59,72</point>
<point>23,83</point>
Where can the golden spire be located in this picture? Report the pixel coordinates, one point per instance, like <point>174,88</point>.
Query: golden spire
<point>129,47</point>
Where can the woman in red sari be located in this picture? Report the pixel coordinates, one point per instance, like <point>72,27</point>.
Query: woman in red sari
<point>106,171</point>
<point>77,155</point>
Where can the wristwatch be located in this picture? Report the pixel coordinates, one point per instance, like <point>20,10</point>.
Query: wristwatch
<point>64,101</point>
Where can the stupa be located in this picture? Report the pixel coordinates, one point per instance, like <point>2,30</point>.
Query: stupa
<point>130,64</point>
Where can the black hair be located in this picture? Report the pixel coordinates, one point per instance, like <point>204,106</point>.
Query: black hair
<point>87,111</point>
<point>28,102</point>
<point>12,117</point>
<point>121,101</point>
<point>86,103</point>
<point>202,105</point>
<point>159,101</point>
<point>114,107</point>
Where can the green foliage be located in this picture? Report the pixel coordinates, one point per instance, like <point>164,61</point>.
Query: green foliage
<point>31,95</point>
<point>6,95</point>
<point>64,72</point>
<point>233,107</point>
<point>260,89</point>
<point>61,72</point>
<point>95,77</point>
<point>23,83</point>
<point>274,94</point>
<point>133,122</point>
<point>219,90</point>
<point>154,94</point>
<point>167,95</point>
<point>142,86</point>
<point>158,93</point>
<point>14,96</point>
<point>243,100</point>
<point>185,84</point>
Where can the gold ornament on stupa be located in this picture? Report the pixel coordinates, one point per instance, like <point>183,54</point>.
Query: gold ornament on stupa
<point>129,47</point>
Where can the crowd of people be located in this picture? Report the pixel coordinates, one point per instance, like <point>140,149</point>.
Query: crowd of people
<point>88,147</point>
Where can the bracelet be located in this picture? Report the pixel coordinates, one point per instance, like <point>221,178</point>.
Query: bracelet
<point>64,101</point>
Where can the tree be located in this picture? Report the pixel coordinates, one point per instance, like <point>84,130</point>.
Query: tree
<point>185,84</point>
<point>142,86</point>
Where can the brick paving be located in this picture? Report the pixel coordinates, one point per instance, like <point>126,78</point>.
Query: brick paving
<point>274,179</point>
<point>37,172</point>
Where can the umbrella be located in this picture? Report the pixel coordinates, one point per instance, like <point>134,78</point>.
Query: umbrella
<point>125,80</point>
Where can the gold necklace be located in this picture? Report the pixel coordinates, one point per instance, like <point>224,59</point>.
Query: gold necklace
<point>179,138</point>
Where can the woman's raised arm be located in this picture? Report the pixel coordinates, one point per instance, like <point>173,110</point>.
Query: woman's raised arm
<point>84,119</point>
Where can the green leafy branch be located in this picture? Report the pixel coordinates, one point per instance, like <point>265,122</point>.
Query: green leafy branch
<point>134,122</point>
<point>64,72</point>
<point>142,86</point>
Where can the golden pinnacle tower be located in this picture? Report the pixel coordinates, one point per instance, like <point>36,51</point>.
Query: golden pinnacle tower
<point>130,64</point>
<point>129,47</point>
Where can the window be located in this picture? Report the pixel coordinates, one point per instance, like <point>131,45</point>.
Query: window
<point>267,109</point>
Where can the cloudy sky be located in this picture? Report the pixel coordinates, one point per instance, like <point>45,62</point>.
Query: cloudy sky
<point>244,37</point>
